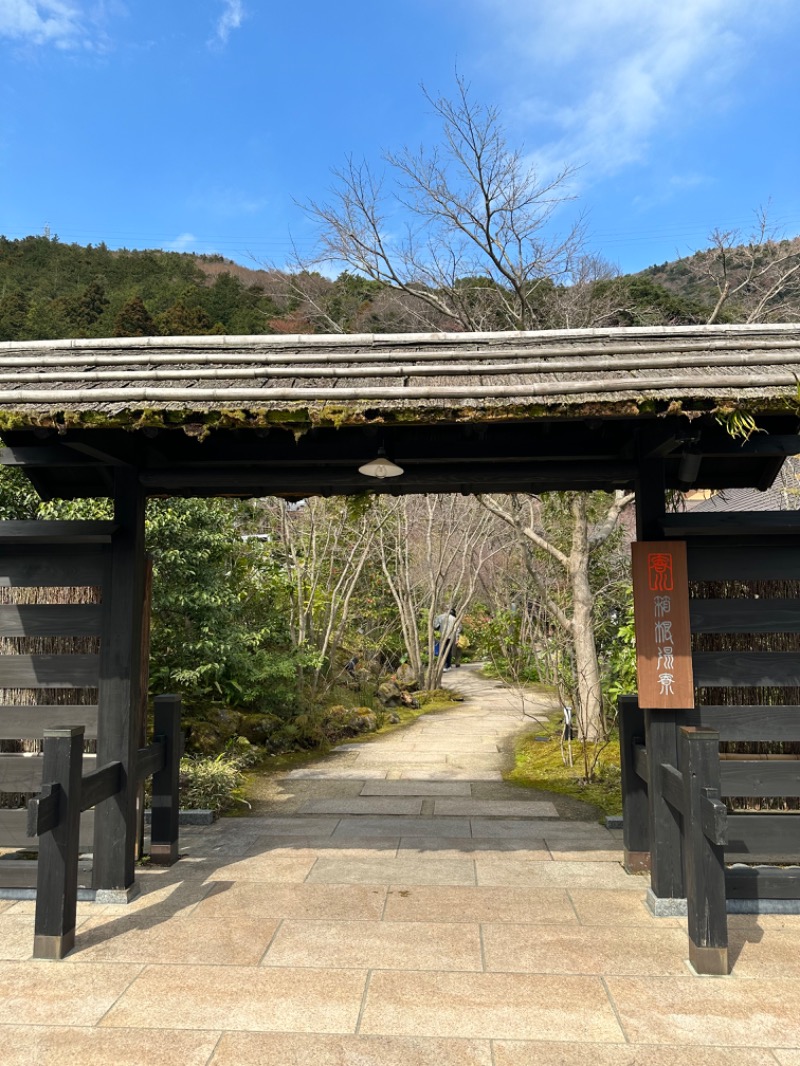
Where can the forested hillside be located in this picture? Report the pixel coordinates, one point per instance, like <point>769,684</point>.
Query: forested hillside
<point>50,290</point>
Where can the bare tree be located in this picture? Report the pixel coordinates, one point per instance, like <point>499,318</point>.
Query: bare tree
<point>755,278</point>
<point>433,550</point>
<point>325,548</point>
<point>573,616</point>
<point>477,248</point>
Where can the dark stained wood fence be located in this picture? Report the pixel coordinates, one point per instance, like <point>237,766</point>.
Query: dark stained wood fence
<point>674,777</point>
<point>48,555</point>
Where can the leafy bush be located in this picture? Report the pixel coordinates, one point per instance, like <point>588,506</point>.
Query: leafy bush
<point>216,783</point>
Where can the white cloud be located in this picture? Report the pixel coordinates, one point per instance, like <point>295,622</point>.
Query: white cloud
<point>182,243</point>
<point>604,76</point>
<point>42,22</point>
<point>231,19</point>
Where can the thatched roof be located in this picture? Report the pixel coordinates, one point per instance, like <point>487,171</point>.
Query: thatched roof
<point>553,371</point>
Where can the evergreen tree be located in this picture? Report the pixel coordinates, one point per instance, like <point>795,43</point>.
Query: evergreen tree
<point>134,320</point>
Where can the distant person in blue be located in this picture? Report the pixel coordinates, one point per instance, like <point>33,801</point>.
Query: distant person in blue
<point>446,629</point>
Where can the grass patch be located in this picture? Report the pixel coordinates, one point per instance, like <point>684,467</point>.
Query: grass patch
<point>538,764</point>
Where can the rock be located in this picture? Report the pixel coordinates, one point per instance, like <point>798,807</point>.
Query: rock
<point>405,676</point>
<point>390,694</point>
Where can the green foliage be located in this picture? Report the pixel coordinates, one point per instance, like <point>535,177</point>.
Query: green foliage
<point>740,425</point>
<point>215,783</point>
<point>620,660</point>
<point>53,290</point>
<point>219,629</point>
<point>540,764</point>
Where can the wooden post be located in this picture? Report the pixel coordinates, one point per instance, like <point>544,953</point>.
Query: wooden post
<point>666,860</point>
<point>704,858</point>
<point>119,688</point>
<point>650,501</point>
<point>57,875</point>
<point>164,824</point>
<point>635,817</point>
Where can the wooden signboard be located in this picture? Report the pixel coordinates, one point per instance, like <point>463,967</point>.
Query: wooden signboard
<point>663,634</point>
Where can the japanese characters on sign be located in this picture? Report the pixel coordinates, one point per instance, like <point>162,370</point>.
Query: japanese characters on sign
<point>663,634</point>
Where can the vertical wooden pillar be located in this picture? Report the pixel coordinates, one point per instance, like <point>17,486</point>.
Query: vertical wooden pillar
<point>704,858</point>
<point>119,696</point>
<point>650,500</point>
<point>666,853</point>
<point>635,818</point>
<point>164,824</point>
<point>57,872</point>
<point>661,727</point>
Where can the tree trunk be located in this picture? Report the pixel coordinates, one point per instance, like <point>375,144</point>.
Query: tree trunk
<point>589,711</point>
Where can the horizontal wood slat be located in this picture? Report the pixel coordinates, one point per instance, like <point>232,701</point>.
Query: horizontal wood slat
<point>63,567</point>
<point>748,723</point>
<point>760,561</point>
<point>13,826</point>
<point>760,778</point>
<point>56,532</point>
<point>150,760</point>
<point>98,785</point>
<point>745,616</point>
<point>29,723</point>
<point>762,883</point>
<point>51,620</point>
<point>744,669</point>
<point>738,523</point>
<point>764,834</point>
<point>49,671</point>
<point>23,773</point>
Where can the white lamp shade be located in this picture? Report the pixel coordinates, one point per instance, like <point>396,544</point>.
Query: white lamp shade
<point>381,467</point>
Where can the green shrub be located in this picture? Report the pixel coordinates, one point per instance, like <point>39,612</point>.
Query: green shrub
<point>216,783</point>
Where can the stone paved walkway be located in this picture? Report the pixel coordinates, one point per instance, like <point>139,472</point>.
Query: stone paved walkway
<point>398,905</point>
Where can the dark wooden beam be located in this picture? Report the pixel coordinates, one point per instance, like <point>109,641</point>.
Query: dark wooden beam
<point>733,523</point>
<point>741,561</point>
<point>21,722</point>
<point>778,723</point>
<point>745,616</point>
<point>746,669</point>
<point>51,620</point>
<point>760,777</point>
<point>35,534</point>
<point>49,671</point>
<point>119,692</point>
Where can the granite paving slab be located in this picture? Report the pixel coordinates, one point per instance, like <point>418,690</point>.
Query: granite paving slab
<point>425,870</point>
<point>323,773</point>
<point>451,774</point>
<point>495,808</point>
<point>384,945</point>
<point>43,993</point>
<point>726,1013</point>
<point>528,1052</point>
<point>355,902</point>
<point>498,1006</point>
<point>416,788</point>
<point>284,1049</point>
<point>511,872</point>
<point>388,825</point>
<point>364,805</point>
<point>73,1046</point>
<point>240,997</point>
<point>583,949</point>
<point>437,903</point>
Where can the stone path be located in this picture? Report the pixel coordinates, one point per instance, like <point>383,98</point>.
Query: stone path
<point>398,904</point>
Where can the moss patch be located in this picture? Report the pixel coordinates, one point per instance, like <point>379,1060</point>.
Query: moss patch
<point>538,764</point>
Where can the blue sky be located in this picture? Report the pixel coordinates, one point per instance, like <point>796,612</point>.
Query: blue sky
<point>197,124</point>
